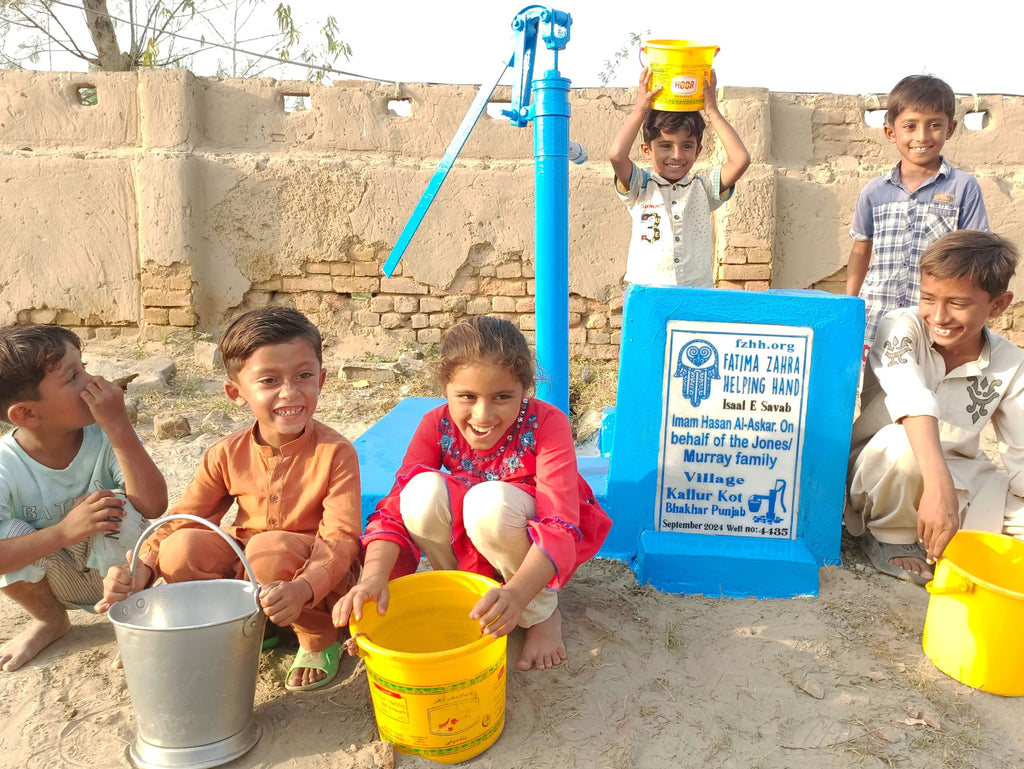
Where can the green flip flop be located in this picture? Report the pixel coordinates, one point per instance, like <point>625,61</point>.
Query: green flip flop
<point>327,660</point>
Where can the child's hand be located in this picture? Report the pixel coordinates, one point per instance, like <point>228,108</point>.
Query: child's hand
<point>106,402</point>
<point>92,513</point>
<point>351,605</point>
<point>938,519</point>
<point>118,584</point>
<point>499,611</point>
<point>644,96</point>
<point>282,602</point>
<point>711,93</point>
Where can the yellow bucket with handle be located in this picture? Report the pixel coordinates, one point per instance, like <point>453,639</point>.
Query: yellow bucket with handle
<point>437,683</point>
<point>680,68</point>
<point>972,631</point>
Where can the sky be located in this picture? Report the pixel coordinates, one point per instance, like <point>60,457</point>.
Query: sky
<point>799,45</point>
<point>785,45</point>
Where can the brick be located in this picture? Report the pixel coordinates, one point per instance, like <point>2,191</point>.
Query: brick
<point>308,302</point>
<point>746,272</point>
<point>274,284</point>
<point>43,316</point>
<point>465,285</point>
<point>455,304</point>
<point>513,270</point>
<point>495,287</point>
<point>735,256</point>
<point>757,285</point>
<point>156,298</point>
<point>342,268</point>
<point>596,320</point>
<point>156,316</point>
<point>363,254</point>
<point>617,337</point>
<point>730,284</point>
<point>345,285</point>
<point>528,269</point>
<point>758,255</point>
<point>109,333</point>
<point>401,286</point>
<point>442,319</point>
<point>310,283</point>
<point>431,304</point>
<point>598,337</point>
<point>181,281</point>
<point>615,321</point>
<point>367,319</point>
<point>487,271</point>
<point>182,317</point>
<point>503,304</point>
<point>382,303</point>
<point>577,304</point>
<point>575,320</point>
<point>407,304</point>
<point>255,299</point>
<point>527,322</point>
<point>480,305</point>
<point>428,336</point>
<point>578,335</point>
<point>526,305</point>
<point>366,270</point>
<point>318,268</point>
<point>391,320</point>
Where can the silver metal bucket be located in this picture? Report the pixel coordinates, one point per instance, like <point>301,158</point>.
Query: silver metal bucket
<point>191,655</point>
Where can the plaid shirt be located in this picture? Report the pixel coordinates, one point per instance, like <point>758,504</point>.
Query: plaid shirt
<point>901,224</point>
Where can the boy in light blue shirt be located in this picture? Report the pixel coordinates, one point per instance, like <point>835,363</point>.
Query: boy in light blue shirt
<point>71,445</point>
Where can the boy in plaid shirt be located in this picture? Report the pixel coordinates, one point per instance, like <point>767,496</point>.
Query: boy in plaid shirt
<point>922,198</point>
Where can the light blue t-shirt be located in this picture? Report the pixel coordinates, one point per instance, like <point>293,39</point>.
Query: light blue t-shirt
<point>42,496</point>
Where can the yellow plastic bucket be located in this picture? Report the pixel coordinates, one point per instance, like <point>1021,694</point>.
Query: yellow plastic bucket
<point>972,631</point>
<point>437,684</point>
<point>680,68</point>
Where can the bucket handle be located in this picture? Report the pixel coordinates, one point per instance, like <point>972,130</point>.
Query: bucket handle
<point>963,586</point>
<point>250,622</point>
<point>642,49</point>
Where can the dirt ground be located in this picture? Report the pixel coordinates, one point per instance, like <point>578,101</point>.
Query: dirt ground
<point>652,680</point>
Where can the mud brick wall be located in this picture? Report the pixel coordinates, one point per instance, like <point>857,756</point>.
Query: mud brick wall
<point>174,202</point>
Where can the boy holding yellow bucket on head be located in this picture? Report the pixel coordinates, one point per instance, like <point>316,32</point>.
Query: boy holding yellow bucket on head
<point>671,207</point>
<point>935,377</point>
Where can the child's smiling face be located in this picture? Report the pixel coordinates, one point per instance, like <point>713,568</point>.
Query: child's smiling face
<point>920,135</point>
<point>672,155</point>
<point>955,312</point>
<point>281,384</point>
<point>484,400</point>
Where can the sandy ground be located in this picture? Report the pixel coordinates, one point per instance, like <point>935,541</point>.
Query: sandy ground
<point>652,680</point>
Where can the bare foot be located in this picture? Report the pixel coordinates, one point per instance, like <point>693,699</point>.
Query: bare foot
<point>32,640</point>
<point>917,566</point>
<point>543,647</point>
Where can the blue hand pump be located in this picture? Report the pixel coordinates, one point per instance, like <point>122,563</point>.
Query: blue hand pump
<point>549,111</point>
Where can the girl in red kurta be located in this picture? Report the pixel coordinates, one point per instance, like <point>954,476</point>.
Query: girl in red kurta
<point>489,484</point>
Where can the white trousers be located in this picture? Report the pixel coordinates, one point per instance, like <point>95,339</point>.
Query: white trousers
<point>494,514</point>
<point>885,490</point>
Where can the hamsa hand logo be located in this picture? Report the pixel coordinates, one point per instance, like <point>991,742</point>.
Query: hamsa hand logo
<point>697,366</point>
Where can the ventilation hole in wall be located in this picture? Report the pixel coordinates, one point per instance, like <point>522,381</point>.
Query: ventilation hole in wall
<point>297,102</point>
<point>494,109</point>
<point>976,121</point>
<point>874,118</point>
<point>87,95</point>
<point>401,107</point>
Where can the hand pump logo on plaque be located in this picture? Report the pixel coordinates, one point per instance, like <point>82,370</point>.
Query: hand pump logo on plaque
<point>734,400</point>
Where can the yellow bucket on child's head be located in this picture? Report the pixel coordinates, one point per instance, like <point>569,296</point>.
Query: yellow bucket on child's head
<point>972,631</point>
<point>437,684</point>
<point>680,67</point>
